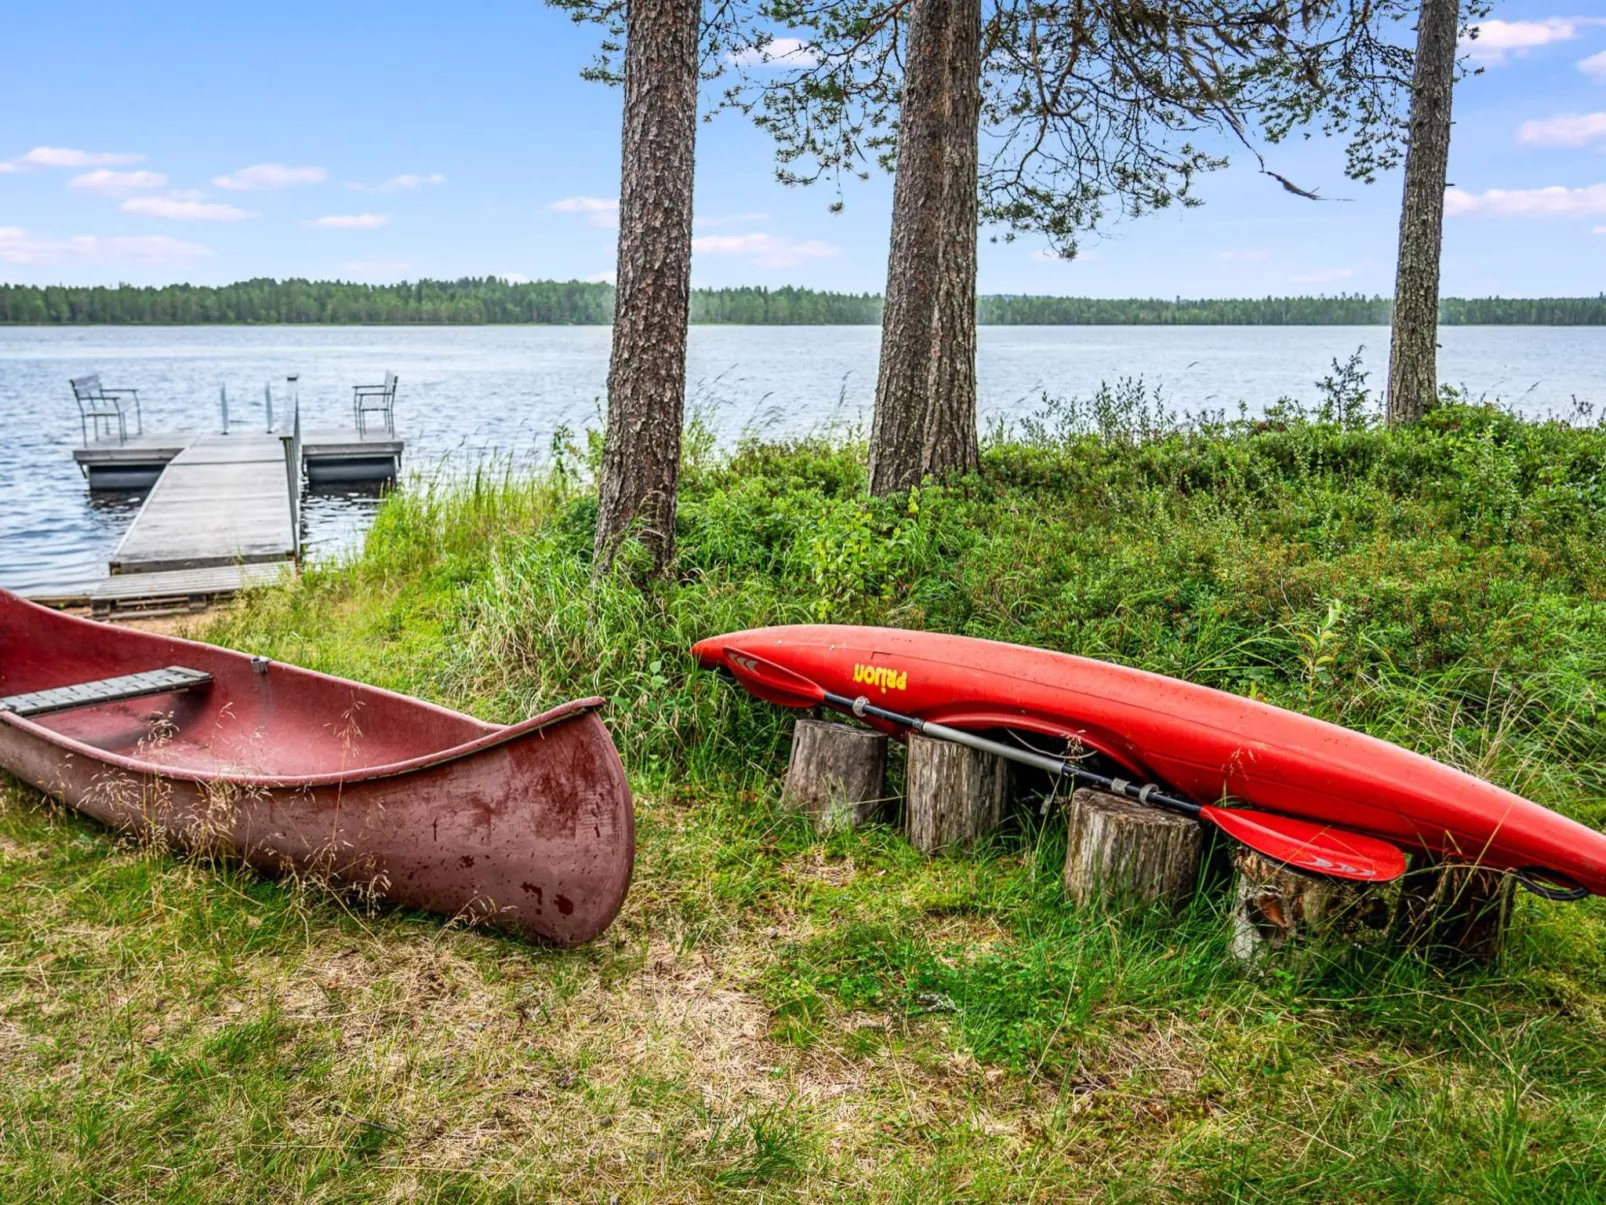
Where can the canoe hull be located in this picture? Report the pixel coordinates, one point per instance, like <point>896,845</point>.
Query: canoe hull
<point>529,828</point>
<point>1205,743</point>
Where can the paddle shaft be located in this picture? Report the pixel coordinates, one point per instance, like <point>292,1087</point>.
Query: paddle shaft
<point>1147,795</point>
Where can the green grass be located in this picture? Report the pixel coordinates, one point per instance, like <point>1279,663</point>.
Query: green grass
<point>780,1015</point>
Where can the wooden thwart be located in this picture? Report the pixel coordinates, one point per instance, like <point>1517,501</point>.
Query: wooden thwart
<point>106,690</point>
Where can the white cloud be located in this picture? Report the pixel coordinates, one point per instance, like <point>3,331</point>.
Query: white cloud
<point>765,250</point>
<point>7,167</point>
<point>114,184</point>
<point>515,278</point>
<point>1594,67</point>
<point>600,278</point>
<point>600,212</point>
<point>1598,230</point>
<point>402,183</point>
<point>1243,256</point>
<point>1322,276</point>
<point>17,246</point>
<point>374,267</point>
<point>1564,129</point>
<point>1551,202</point>
<point>184,209</point>
<point>781,52</point>
<point>55,156</point>
<point>730,219</point>
<point>264,176</point>
<point>350,221</point>
<point>1497,39</point>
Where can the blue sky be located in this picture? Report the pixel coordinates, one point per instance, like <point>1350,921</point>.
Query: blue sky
<point>215,142</point>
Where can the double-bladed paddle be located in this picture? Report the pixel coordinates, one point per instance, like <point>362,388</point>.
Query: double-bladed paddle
<point>1315,848</point>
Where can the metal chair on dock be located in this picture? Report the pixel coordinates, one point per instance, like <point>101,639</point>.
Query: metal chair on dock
<point>97,405</point>
<point>375,399</point>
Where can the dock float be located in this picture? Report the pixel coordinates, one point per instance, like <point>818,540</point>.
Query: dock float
<point>134,464</point>
<point>328,457</point>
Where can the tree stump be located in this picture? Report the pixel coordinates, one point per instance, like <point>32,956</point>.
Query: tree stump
<point>1275,908</point>
<point>955,794</point>
<point>1454,913</point>
<point>838,774</point>
<point>1125,855</point>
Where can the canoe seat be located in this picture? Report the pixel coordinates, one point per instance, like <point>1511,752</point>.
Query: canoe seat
<point>106,690</point>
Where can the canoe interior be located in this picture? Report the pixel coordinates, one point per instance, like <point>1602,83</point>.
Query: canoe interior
<point>284,723</point>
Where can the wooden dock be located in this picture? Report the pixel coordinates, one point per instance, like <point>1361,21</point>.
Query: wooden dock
<point>223,500</point>
<point>219,517</point>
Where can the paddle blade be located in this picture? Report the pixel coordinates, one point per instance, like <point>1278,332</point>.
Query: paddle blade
<point>769,681</point>
<point>1314,848</point>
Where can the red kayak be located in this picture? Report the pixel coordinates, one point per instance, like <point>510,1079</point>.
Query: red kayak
<point>1220,751</point>
<point>528,827</point>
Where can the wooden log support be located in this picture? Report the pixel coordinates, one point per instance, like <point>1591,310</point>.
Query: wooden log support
<point>1277,909</point>
<point>955,794</point>
<point>838,774</point>
<point>1124,855</point>
<point>1454,912</point>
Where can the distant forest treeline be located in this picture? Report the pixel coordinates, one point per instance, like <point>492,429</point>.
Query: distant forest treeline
<point>495,300</point>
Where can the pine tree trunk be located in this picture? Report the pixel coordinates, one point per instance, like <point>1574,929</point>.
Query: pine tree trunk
<point>950,445</point>
<point>925,408</point>
<point>647,371</point>
<point>1413,351</point>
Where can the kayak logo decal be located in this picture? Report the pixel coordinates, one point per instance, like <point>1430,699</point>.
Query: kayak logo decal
<point>883,676</point>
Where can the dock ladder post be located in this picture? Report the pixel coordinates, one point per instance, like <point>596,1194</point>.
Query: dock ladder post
<point>291,442</point>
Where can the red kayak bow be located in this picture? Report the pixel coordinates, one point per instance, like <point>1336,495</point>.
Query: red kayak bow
<point>1337,802</point>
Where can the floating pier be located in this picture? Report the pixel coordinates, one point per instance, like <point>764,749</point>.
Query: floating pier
<point>329,458</point>
<point>223,500</point>
<point>223,513</point>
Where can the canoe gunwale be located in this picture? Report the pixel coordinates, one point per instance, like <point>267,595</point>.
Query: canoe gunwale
<point>497,736</point>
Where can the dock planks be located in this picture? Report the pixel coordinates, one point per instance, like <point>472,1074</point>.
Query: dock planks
<point>223,500</point>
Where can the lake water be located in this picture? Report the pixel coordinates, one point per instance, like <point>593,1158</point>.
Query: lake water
<point>472,392</point>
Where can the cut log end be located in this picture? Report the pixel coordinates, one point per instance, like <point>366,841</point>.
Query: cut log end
<point>1121,854</point>
<point>1455,913</point>
<point>955,794</point>
<point>1276,908</point>
<point>837,775</point>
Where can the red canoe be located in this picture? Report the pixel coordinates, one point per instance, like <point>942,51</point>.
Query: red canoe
<point>1204,743</point>
<point>528,827</point>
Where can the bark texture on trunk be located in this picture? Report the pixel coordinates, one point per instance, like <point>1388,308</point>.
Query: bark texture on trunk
<point>925,408</point>
<point>1124,855</point>
<point>647,370</point>
<point>1455,913</point>
<point>1279,909</point>
<point>954,795</point>
<point>838,774</point>
<point>1413,349</point>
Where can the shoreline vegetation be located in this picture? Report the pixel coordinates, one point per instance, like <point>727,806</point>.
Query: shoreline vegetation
<point>803,1017</point>
<point>494,300</point>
